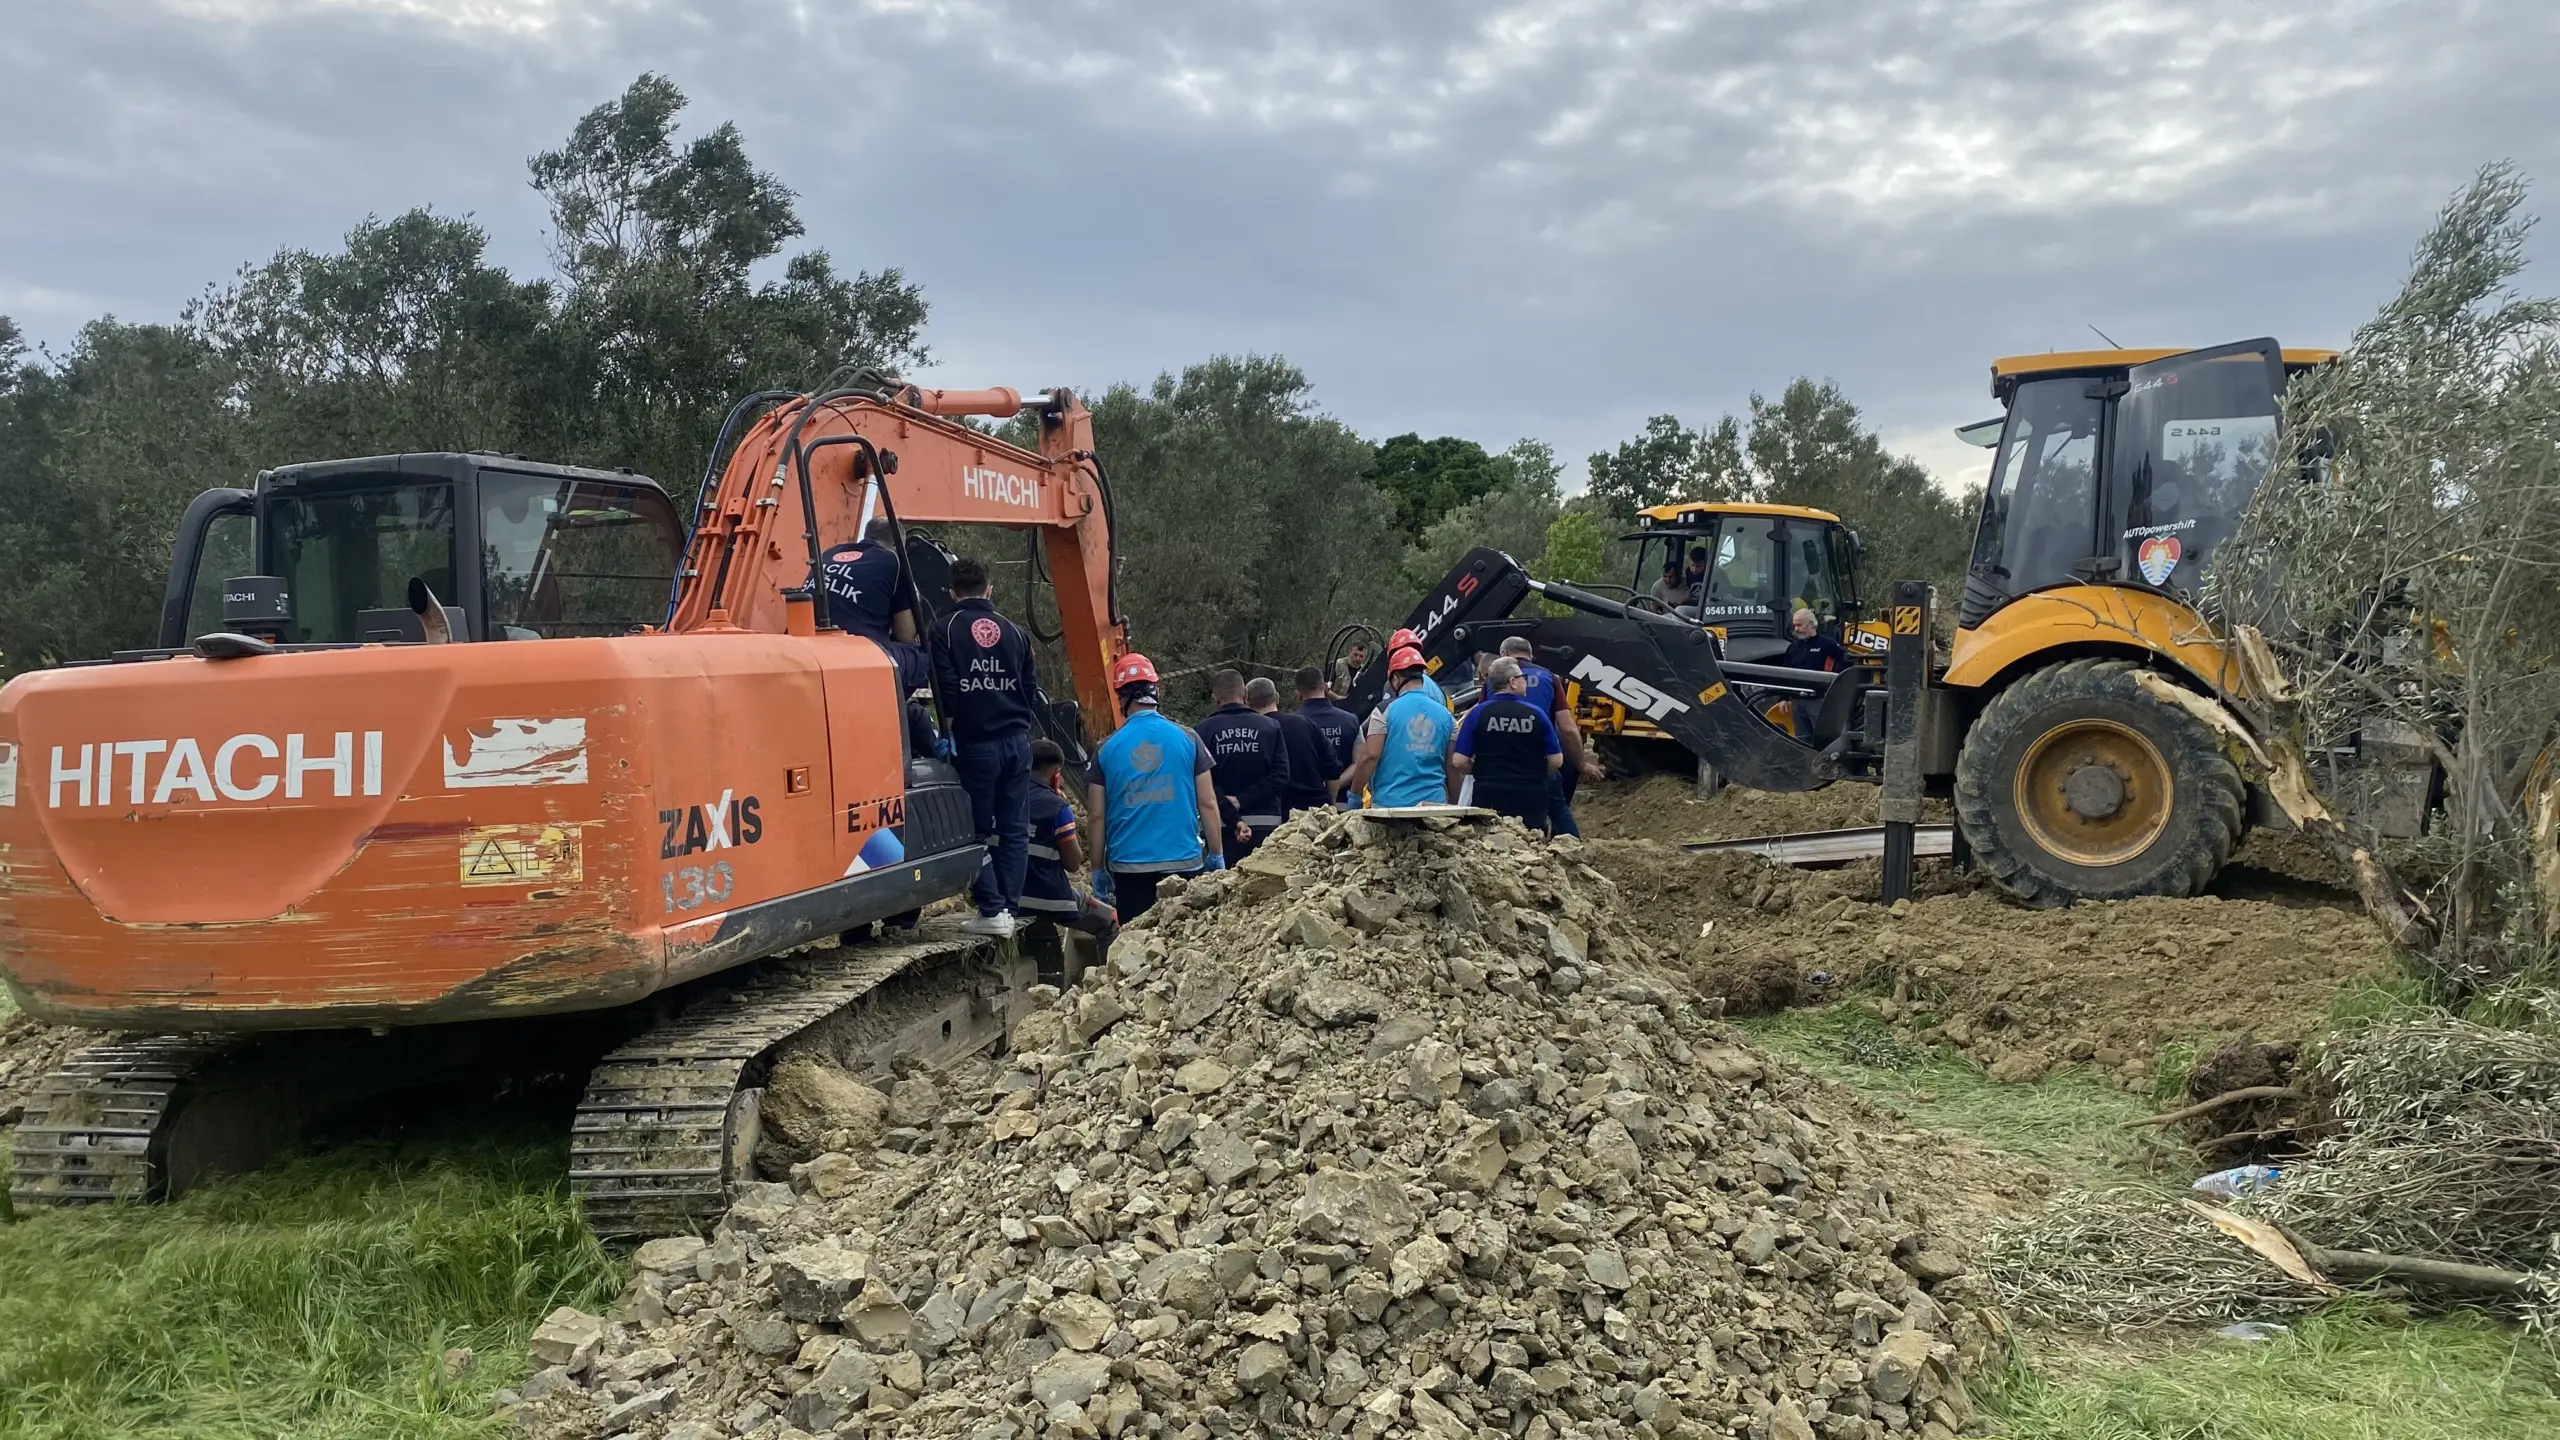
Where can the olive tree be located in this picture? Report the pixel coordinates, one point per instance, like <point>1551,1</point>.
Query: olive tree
<point>2396,584</point>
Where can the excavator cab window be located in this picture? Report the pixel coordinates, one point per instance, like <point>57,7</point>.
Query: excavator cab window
<point>345,551</point>
<point>229,548</point>
<point>572,557</point>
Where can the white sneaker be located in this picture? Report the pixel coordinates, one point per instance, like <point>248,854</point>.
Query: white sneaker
<point>999,925</point>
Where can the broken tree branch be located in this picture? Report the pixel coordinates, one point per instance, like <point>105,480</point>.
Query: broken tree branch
<point>2240,1096</point>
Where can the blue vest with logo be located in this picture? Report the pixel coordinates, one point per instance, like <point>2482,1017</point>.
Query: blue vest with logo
<point>1413,766</point>
<point>1150,804</point>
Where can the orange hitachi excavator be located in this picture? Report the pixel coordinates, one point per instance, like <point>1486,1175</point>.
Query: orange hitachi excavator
<point>481,762</point>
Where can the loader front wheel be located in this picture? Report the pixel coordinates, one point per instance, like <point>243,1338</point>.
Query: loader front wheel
<point>2076,785</point>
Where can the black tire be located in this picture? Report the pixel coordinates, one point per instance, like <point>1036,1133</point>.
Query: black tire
<point>2050,847</point>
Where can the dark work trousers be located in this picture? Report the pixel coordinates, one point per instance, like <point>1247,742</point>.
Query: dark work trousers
<point>1559,804</point>
<point>997,775</point>
<point>1529,807</point>
<point>1133,892</point>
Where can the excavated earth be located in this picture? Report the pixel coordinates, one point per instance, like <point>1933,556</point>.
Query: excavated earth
<point>1397,1130</point>
<point>2021,991</point>
<point>28,1052</point>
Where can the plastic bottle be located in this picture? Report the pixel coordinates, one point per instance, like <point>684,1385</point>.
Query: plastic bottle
<point>2237,1181</point>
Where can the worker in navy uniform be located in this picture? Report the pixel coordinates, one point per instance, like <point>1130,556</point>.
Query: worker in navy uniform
<point>1056,850</point>
<point>1339,727</point>
<point>1311,761</point>
<point>1548,697</point>
<point>982,672</point>
<point>1248,766</point>
<point>869,594</point>
<point>1810,649</point>
<point>1510,747</point>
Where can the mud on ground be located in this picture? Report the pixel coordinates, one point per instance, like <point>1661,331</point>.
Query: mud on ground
<point>2020,991</point>
<point>28,1052</point>
<point>1667,807</point>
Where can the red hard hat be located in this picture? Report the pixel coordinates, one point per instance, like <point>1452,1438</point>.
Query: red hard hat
<point>1401,640</point>
<point>1407,658</point>
<point>1133,669</point>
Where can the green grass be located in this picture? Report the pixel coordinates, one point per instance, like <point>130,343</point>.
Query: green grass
<point>2355,1372</point>
<point>2070,1120</point>
<point>2352,1373</point>
<point>314,1299</point>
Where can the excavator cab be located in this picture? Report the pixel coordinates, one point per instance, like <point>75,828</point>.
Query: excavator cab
<point>336,553</point>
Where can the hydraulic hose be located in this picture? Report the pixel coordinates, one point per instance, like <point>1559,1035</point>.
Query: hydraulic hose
<point>711,476</point>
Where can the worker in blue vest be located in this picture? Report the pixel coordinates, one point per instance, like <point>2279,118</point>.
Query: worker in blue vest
<point>1404,747</point>
<point>1150,804</point>
<point>983,672</point>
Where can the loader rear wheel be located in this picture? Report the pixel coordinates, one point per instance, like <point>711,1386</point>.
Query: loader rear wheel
<point>2076,785</point>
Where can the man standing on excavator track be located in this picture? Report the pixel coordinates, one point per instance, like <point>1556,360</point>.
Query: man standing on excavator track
<point>869,594</point>
<point>983,672</point>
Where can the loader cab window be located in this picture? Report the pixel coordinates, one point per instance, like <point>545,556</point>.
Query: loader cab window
<point>1662,564</point>
<point>344,551</point>
<point>2039,510</point>
<point>573,557</point>
<point>2193,438</point>
<point>1743,574</point>
<point>1814,576</point>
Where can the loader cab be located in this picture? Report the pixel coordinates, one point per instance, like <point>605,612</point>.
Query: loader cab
<point>1746,567</point>
<point>2121,467</point>
<point>511,548</point>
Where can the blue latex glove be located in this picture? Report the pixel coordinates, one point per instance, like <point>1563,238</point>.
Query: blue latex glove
<point>1102,886</point>
<point>1215,861</point>
<point>944,750</point>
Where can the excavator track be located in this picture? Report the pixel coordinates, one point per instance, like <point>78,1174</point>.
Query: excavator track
<point>89,1128</point>
<point>668,1124</point>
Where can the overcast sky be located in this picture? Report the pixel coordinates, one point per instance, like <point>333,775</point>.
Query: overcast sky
<point>1478,219</point>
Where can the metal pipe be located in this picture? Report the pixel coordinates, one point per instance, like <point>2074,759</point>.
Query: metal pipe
<point>1002,400</point>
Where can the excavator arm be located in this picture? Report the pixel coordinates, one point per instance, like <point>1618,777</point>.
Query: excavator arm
<point>813,470</point>
<point>1662,669</point>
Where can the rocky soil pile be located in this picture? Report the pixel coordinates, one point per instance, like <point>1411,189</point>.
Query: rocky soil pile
<point>1395,1131</point>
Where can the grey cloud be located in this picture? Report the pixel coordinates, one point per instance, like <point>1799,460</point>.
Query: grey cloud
<point>1549,219</point>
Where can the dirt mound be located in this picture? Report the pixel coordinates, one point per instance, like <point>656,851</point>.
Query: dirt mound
<point>2020,990</point>
<point>1667,807</point>
<point>1759,936</point>
<point>1391,1132</point>
<point>2108,985</point>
